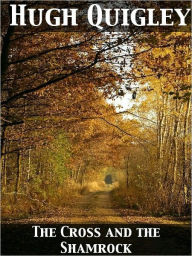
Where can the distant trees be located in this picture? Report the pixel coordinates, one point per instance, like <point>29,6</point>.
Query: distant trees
<point>168,104</point>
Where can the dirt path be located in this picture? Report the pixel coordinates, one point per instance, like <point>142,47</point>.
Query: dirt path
<point>93,208</point>
<point>98,208</point>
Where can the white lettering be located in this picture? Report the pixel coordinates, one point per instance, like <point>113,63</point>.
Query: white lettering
<point>165,16</point>
<point>21,14</point>
<point>98,16</point>
<point>182,16</point>
<point>133,18</point>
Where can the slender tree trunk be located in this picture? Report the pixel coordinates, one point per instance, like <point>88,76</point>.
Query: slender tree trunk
<point>127,173</point>
<point>4,169</point>
<point>175,140</point>
<point>185,154</point>
<point>17,183</point>
<point>29,166</point>
<point>82,175</point>
<point>127,176</point>
<point>77,174</point>
<point>83,172</point>
<point>5,48</point>
<point>3,130</point>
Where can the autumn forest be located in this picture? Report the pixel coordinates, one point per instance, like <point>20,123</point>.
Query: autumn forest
<point>80,106</point>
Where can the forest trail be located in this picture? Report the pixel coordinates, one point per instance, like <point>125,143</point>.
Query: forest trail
<point>93,208</point>
<point>98,208</point>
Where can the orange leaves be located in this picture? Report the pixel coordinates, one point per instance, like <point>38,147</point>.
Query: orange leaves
<point>166,63</point>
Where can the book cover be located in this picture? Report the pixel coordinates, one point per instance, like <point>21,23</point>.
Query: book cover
<point>95,127</point>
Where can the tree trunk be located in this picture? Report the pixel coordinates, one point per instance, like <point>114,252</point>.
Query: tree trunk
<point>5,49</point>
<point>4,169</point>
<point>185,154</point>
<point>17,183</point>
<point>127,173</point>
<point>175,140</point>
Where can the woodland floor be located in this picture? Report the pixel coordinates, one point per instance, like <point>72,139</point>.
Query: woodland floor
<point>93,208</point>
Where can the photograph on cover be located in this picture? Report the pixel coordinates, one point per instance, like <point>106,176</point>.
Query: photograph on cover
<point>95,127</point>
